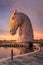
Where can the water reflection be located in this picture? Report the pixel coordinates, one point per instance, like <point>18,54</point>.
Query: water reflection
<point>6,52</point>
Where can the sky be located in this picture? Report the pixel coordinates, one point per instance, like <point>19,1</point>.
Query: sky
<point>32,8</point>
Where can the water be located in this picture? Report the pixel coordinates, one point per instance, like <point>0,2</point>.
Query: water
<point>6,52</point>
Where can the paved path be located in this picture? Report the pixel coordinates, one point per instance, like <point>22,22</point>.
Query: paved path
<point>29,59</point>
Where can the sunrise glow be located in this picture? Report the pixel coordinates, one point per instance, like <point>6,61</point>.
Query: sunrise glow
<point>7,36</point>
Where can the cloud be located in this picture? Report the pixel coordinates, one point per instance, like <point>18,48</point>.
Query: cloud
<point>6,4</point>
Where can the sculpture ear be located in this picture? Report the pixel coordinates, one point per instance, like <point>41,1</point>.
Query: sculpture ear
<point>15,12</point>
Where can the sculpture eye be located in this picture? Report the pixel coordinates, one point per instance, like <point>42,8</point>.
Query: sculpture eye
<point>12,18</point>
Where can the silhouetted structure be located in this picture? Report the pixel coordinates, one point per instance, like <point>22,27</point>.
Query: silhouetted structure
<point>30,46</point>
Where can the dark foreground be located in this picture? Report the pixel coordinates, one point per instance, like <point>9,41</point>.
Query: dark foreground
<point>30,59</point>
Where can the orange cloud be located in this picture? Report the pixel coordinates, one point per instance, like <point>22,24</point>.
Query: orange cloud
<point>38,35</point>
<point>7,36</point>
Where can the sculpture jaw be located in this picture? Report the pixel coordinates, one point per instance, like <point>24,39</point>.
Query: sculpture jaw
<point>12,32</point>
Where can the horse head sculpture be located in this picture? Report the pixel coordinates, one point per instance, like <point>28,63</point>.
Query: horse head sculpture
<point>21,21</point>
